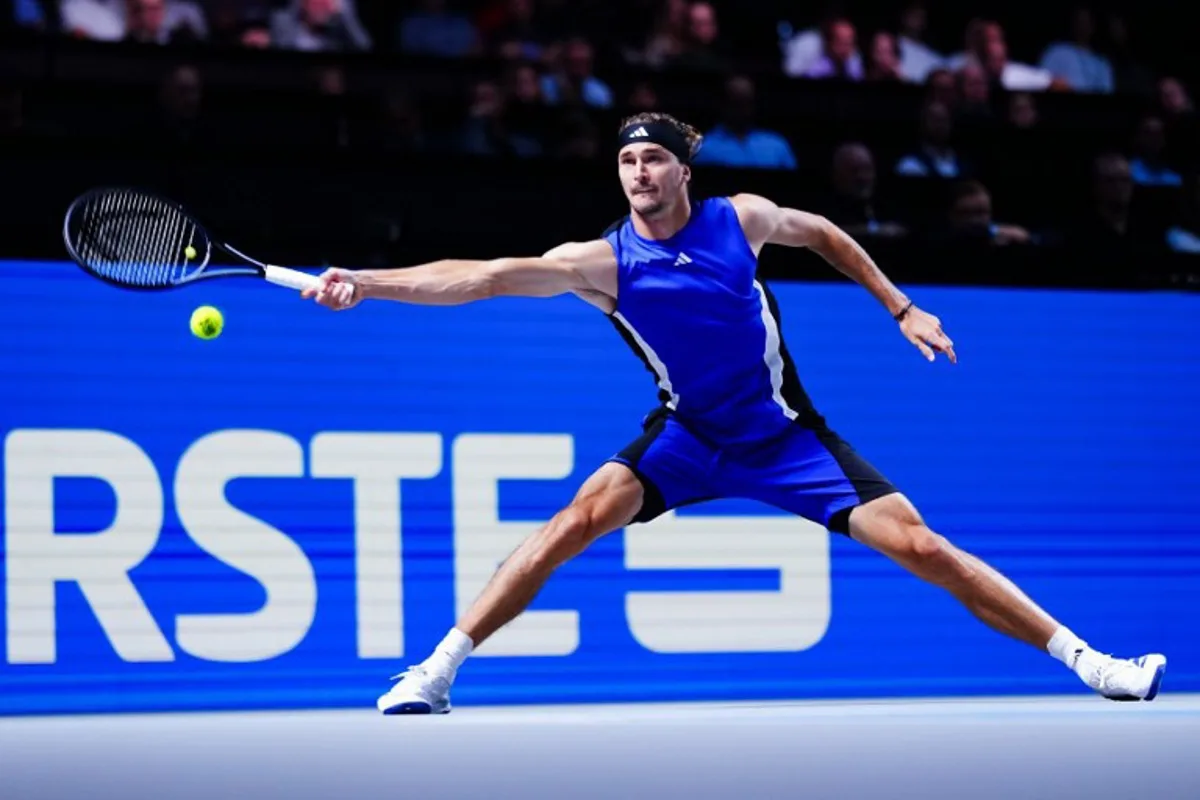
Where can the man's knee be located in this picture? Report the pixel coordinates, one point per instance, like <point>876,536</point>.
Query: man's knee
<point>931,555</point>
<point>566,535</point>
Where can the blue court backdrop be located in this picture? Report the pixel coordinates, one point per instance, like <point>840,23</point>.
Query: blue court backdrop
<point>287,515</point>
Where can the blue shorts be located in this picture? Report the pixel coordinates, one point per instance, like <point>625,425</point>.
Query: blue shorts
<point>810,472</point>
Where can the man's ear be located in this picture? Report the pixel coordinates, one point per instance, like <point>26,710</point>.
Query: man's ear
<point>687,173</point>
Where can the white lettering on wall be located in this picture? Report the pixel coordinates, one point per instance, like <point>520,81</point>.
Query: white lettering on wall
<point>793,618</point>
<point>482,541</point>
<point>245,543</point>
<point>36,558</point>
<point>378,463</point>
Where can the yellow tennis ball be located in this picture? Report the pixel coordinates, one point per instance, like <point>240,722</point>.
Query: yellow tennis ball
<point>207,322</point>
<point>190,252</point>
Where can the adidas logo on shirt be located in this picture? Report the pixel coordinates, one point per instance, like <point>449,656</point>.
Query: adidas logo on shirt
<point>683,259</point>
<point>639,134</point>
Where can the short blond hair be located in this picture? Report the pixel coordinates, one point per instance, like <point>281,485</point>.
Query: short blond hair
<point>692,136</point>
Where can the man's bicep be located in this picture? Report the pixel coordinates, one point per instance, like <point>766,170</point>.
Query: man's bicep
<point>593,262</point>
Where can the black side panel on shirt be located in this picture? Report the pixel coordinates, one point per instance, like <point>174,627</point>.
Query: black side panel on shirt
<point>792,390</point>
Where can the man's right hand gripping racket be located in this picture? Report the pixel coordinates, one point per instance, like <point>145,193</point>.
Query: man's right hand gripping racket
<point>137,240</point>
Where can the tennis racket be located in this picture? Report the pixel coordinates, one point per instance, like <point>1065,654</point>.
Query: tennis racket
<point>137,240</point>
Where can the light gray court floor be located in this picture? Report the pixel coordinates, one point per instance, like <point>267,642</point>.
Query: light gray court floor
<point>1023,749</point>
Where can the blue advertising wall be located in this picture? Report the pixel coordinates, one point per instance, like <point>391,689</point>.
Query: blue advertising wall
<point>289,514</point>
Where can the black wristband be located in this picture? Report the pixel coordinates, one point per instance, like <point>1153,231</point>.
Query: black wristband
<point>902,313</point>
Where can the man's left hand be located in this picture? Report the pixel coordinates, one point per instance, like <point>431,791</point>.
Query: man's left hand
<point>925,331</point>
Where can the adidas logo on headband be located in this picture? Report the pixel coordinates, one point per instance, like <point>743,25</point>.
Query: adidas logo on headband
<point>640,133</point>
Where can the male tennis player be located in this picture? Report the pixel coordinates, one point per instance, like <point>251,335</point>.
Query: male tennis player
<point>677,278</point>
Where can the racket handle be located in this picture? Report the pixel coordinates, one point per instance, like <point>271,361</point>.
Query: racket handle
<point>291,278</point>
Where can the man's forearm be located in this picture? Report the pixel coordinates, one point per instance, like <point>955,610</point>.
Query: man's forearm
<point>851,260</point>
<point>440,283</point>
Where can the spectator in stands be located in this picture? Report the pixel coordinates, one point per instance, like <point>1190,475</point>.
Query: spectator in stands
<point>802,50</point>
<point>513,31</point>
<point>975,94</point>
<point>970,219</point>
<point>579,138</point>
<point>883,61</point>
<point>665,41</point>
<point>1173,98</point>
<point>643,97</point>
<point>934,157</point>
<point>986,46</point>
<point>319,25</point>
<point>1130,75</point>
<point>917,59</point>
<point>180,103</point>
<point>1184,235</point>
<point>1075,62</point>
<point>839,53</point>
<point>738,142</point>
<point>1105,231</point>
<point>156,21</point>
<point>435,30</point>
<point>487,131</point>
<point>941,85</point>
<point>526,112</point>
<point>239,23</point>
<point>701,46</point>
<point>1022,111</point>
<point>573,82</point>
<point>1148,166</point>
<point>403,130</point>
<point>853,207</point>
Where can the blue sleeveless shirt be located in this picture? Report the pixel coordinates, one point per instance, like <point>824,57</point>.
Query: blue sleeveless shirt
<point>691,307</point>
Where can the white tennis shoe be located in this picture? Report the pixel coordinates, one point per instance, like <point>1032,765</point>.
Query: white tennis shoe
<point>417,692</point>
<point>1121,678</point>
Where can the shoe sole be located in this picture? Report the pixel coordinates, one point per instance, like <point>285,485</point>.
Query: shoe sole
<point>414,708</point>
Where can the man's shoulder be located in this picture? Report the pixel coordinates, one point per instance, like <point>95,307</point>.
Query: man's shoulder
<point>614,227</point>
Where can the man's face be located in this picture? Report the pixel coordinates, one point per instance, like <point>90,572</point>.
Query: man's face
<point>578,59</point>
<point>146,16</point>
<point>935,124</point>
<point>854,173</point>
<point>183,93</point>
<point>840,46</point>
<point>653,179</point>
<point>317,13</point>
<point>1151,138</point>
<point>972,210</point>
<point>702,22</point>
<point>739,101</point>
<point>525,86</point>
<point>1114,183</point>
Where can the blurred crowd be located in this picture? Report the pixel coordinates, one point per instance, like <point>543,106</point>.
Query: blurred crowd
<point>554,80</point>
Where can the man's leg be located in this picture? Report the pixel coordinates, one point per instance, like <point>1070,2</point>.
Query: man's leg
<point>892,526</point>
<point>608,500</point>
<point>665,467</point>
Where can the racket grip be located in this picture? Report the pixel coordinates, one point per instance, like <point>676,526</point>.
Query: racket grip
<point>291,278</point>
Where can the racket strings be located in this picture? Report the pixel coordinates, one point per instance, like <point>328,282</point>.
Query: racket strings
<point>136,239</point>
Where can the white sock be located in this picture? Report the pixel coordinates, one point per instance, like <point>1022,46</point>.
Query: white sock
<point>1066,647</point>
<point>448,656</point>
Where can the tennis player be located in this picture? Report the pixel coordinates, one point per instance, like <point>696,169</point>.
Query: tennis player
<point>677,277</point>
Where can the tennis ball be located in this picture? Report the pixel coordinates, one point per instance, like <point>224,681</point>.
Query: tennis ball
<point>190,252</point>
<point>207,322</point>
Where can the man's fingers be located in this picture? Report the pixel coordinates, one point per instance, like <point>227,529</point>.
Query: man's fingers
<point>924,348</point>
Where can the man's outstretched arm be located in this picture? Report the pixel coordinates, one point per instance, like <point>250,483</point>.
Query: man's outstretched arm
<point>581,267</point>
<point>767,223</point>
